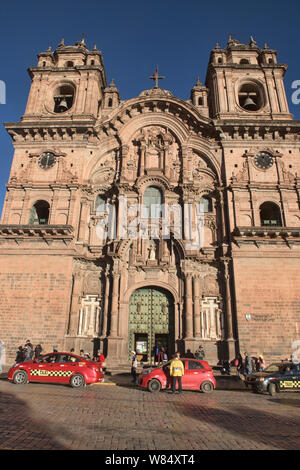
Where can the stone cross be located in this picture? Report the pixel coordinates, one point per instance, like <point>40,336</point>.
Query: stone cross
<point>156,77</point>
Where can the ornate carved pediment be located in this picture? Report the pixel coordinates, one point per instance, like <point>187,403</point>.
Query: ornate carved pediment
<point>105,172</point>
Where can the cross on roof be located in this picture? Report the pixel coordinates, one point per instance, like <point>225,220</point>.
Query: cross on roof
<point>156,77</point>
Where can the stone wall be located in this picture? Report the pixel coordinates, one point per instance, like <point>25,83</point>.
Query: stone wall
<point>34,301</point>
<point>268,306</point>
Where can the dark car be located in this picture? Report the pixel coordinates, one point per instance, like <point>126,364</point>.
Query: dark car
<point>277,377</point>
<point>197,376</point>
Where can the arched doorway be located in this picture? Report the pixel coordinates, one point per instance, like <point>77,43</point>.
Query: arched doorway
<point>151,322</point>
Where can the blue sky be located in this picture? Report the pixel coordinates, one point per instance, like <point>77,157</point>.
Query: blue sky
<point>135,36</point>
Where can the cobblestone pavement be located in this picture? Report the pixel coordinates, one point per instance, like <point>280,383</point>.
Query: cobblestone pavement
<point>122,417</point>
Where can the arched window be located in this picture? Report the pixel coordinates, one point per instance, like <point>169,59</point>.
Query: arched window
<point>200,101</point>
<point>244,61</point>
<point>63,98</point>
<point>100,204</point>
<point>206,204</point>
<point>152,203</point>
<point>270,215</point>
<point>110,102</point>
<point>39,214</point>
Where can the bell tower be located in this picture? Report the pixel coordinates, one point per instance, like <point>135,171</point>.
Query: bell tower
<point>67,83</point>
<point>246,82</point>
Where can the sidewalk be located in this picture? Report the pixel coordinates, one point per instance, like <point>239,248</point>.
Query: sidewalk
<point>123,378</point>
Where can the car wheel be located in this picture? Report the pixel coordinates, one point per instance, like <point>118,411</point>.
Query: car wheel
<point>20,377</point>
<point>77,381</point>
<point>154,386</point>
<point>206,387</point>
<point>272,390</point>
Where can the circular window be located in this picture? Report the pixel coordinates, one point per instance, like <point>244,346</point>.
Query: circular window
<point>63,98</point>
<point>250,97</point>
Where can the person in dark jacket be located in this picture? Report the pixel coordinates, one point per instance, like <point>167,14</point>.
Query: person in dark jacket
<point>200,353</point>
<point>247,364</point>
<point>20,355</point>
<point>28,351</point>
<point>38,350</point>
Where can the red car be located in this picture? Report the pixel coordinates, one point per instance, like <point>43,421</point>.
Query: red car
<point>63,368</point>
<point>197,376</point>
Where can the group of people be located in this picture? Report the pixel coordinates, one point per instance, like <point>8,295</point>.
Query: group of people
<point>27,352</point>
<point>249,364</point>
<point>244,366</point>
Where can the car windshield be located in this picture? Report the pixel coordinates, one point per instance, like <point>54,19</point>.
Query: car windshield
<point>274,368</point>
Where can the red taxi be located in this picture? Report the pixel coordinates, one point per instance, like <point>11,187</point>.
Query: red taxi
<point>64,368</point>
<point>198,375</point>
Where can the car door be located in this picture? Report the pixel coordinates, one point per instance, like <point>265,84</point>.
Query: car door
<point>40,370</point>
<point>288,379</point>
<point>63,368</point>
<point>193,374</point>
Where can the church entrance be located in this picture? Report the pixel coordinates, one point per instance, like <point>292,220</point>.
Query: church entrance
<point>151,323</point>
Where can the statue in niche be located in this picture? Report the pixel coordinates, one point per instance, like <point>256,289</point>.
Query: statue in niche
<point>151,252</point>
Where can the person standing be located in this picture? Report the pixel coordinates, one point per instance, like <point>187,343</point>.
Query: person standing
<point>247,364</point>
<point>133,367</point>
<point>160,356</point>
<point>165,357</point>
<point>176,372</point>
<point>37,351</point>
<point>238,363</point>
<point>20,355</point>
<point>261,364</point>
<point>200,353</point>
<point>28,351</point>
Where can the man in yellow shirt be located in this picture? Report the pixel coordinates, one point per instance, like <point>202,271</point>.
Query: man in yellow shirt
<point>176,372</point>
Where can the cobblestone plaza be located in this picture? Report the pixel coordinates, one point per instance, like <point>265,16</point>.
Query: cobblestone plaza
<point>118,416</point>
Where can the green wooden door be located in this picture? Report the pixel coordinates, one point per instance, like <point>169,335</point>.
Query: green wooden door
<point>151,312</point>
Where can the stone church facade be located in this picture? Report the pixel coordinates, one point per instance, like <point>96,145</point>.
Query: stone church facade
<point>155,220</point>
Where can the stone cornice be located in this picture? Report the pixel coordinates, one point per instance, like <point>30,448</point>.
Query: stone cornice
<point>51,232</point>
<point>266,235</point>
<point>45,131</point>
<point>261,130</point>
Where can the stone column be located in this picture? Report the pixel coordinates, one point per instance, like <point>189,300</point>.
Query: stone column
<point>196,307</point>
<point>229,329</point>
<point>114,306</point>
<point>188,307</point>
<point>143,160</point>
<point>83,219</point>
<point>105,304</point>
<point>74,307</point>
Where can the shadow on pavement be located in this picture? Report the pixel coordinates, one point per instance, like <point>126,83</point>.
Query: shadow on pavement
<point>287,401</point>
<point>252,426</point>
<point>19,431</point>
